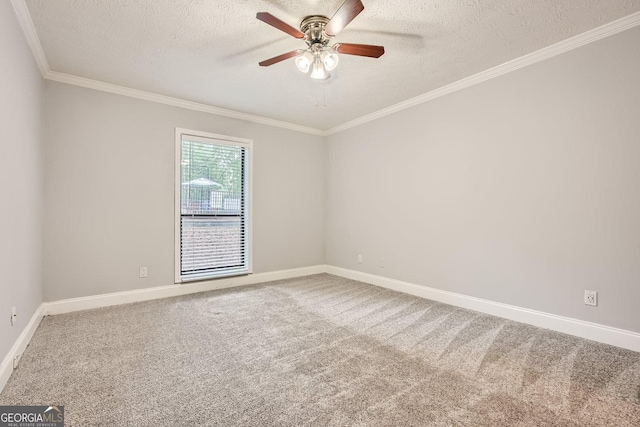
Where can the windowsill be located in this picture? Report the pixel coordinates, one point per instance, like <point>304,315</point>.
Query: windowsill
<point>213,276</point>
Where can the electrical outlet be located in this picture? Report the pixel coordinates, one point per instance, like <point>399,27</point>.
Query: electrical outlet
<point>14,315</point>
<point>360,259</point>
<point>591,298</point>
<point>143,272</point>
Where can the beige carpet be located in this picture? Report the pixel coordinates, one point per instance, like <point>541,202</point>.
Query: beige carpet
<point>319,350</point>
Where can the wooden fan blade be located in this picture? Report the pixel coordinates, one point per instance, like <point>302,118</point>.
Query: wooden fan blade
<point>268,18</point>
<point>359,49</point>
<point>349,10</point>
<point>279,58</point>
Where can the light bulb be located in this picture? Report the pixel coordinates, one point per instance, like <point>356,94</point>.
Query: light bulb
<point>303,62</point>
<point>317,71</point>
<point>330,59</point>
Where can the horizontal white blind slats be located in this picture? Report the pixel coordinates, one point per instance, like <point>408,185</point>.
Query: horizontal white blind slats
<point>205,140</point>
<point>213,207</point>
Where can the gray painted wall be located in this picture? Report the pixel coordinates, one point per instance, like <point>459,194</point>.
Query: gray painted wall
<point>523,190</point>
<point>109,188</point>
<point>20,180</point>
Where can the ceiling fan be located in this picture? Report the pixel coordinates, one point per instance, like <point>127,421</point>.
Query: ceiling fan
<point>317,31</point>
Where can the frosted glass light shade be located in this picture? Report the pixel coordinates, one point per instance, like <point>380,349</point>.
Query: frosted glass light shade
<point>329,59</point>
<point>304,61</point>
<point>317,71</point>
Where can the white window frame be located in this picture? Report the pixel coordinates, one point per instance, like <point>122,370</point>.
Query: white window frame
<point>248,164</point>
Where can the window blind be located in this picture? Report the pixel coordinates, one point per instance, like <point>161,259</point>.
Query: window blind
<point>213,207</point>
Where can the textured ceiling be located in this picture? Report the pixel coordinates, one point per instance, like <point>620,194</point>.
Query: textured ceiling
<point>208,51</point>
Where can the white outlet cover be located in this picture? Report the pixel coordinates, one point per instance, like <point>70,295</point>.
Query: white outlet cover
<point>591,298</point>
<point>143,272</point>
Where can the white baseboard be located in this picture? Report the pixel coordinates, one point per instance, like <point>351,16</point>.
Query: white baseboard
<point>106,300</point>
<point>18,347</point>
<point>592,331</point>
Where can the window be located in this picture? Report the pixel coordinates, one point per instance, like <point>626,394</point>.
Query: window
<point>213,174</point>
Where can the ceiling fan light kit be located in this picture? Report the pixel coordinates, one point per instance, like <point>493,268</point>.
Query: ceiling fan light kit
<point>329,58</point>
<point>317,31</point>
<point>318,71</point>
<point>304,61</point>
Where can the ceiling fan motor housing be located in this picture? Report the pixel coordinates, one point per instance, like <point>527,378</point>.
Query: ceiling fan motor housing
<point>313,29</point>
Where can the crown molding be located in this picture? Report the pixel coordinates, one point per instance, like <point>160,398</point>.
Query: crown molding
<point>175,102</point>
<point>22,13</point>
<point>24,17</point>
<point>590,36</point>
<point>614,27</point>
